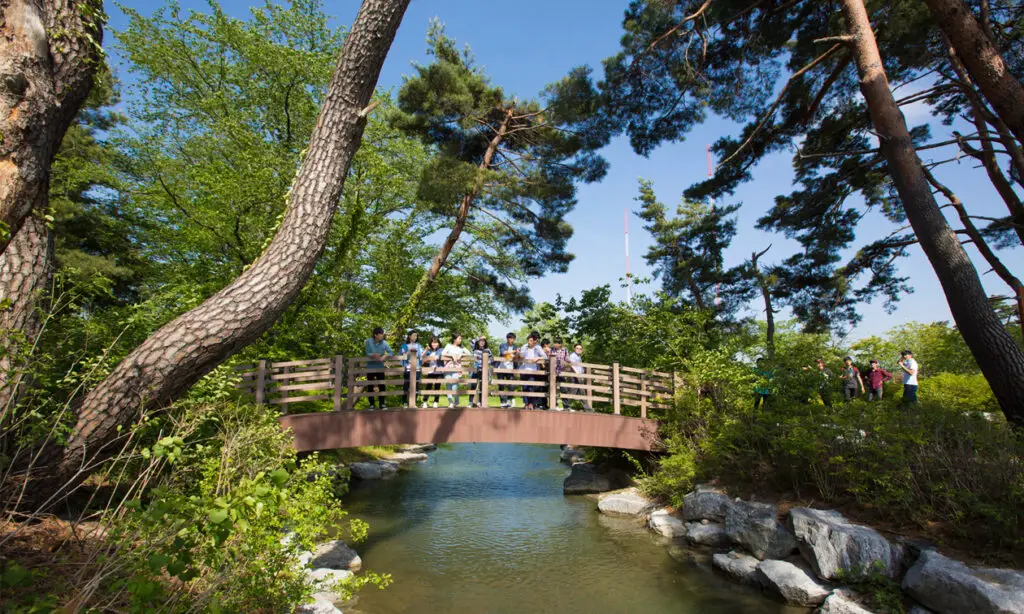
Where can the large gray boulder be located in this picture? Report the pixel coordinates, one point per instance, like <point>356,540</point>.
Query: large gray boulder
<point>754,526</point>
<point>665,524</point>
<point>326,580</point>
<point>628,502</point>
<point>945,585</point>
<point>843,601</point>
<point>406,457</point>
<point>585,479</point>
<point>373,470</point>
<point>836,547</point>
<point>739,566</point>
<point>319,605</point>
<point>711,534</point>
<point>706,503</point>
<point>336,555</point>
<point>797,585</point>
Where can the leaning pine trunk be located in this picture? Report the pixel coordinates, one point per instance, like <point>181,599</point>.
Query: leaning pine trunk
<point>177,355</point>
<point>1001,360</point>
<point>426,282</point>
<point>983,61</point>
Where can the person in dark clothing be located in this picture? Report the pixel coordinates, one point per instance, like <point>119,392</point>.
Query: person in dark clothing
<point>763,386</point>
<point>851,379</point>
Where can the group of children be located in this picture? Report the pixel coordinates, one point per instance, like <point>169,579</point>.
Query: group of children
<point>853,382</point>
<point>530,363</point>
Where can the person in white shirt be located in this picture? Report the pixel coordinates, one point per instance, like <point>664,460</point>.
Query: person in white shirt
<point>909,367</point>
<point>531,356</point>
<point>576,364</point>
<point>452,358</point>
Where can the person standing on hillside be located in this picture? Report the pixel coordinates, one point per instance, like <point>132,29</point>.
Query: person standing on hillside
<point>763,384</point>
<point>377,349</point>
<point>909,367</point>
<point>876,377</point>
<point>851,379</point>
<point>507,351</point>
<point>824,381</point>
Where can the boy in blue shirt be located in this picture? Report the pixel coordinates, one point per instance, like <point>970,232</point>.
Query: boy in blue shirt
<point>377,349</point>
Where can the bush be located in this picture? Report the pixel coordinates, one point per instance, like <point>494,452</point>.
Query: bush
<point>220,510</point>
<point>968,393</point>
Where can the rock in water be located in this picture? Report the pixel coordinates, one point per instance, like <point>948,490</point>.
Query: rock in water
<point>836,547</point>
<point>843,601</point>
<point>712,534</point>
<point>666,524</point>
<point>755,527</point>
<point>374,470</point>
<point>706,503</point>
<point>586,479</point>
<point>742,567</point>
<point>945,585</point>
<point>336,555</point>
<point>629,502</point>
<point>796,584</point>
<point>406,457</point>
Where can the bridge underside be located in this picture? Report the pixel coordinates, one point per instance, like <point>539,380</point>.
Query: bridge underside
<point>348,429</point>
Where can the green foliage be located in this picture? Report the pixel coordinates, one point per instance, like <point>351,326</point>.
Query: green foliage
<point>881,592</point>
<point>958,392</point>
<point>676,473</point>
<point>513,201</point>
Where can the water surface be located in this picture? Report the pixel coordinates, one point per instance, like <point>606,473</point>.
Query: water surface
<point>485,528</point>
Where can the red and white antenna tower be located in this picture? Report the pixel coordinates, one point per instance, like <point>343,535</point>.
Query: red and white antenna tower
<point>629,277</point>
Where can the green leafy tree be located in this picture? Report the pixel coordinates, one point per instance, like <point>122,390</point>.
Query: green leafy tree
<point>680,60</point>
<point>503,178</point>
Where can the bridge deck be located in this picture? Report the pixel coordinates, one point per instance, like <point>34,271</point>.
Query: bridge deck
<point>346,429</point>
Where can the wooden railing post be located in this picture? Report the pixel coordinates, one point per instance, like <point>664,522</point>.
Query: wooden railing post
<point>261,383</point>
<point>552,382</point>
<point>412,358</point>
<point>643,395</point>
<point>337,382</point>
<point>589,383</point>
<point>485,366</point>
<point>350,398</point>
<point>282,382</point>
<point>616,399</point>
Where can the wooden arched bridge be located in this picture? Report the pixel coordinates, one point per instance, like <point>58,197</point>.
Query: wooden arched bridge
<point>593,405</point>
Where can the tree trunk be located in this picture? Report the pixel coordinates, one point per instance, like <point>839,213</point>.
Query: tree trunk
<point>49,51</point>
<point>174,357</point>
<point>1000,358</point>
<point>427,281</point>
<point>982,246</point>
<point>766,294</point>
<point>987,155</point>
<point>983,61</point>
<point>26,269</point>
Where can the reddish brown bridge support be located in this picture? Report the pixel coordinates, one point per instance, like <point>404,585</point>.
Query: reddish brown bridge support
<point>346,429</point>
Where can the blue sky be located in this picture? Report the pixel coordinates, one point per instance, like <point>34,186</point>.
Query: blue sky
<point>530,43</point>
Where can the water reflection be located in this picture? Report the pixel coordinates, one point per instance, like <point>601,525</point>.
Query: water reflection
<point>485,528</point>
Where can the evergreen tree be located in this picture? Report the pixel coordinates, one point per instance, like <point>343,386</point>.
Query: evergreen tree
<point>504,175</point>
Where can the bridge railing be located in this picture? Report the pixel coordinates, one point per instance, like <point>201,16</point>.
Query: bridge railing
<point>344,382</point>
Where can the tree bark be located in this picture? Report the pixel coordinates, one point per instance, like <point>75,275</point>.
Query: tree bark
<point>1001,360</point>
<point>427,281</point>
<point>983,61</point>
<point>177,355</point>
<point>982,246</point>
<point>49,52</point>
<point>26,269</point>
<point>766,294</point>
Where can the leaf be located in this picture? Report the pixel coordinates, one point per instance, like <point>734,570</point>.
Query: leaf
<point>279,477</point>
<point>218,516</point>
<point>157,561</point>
